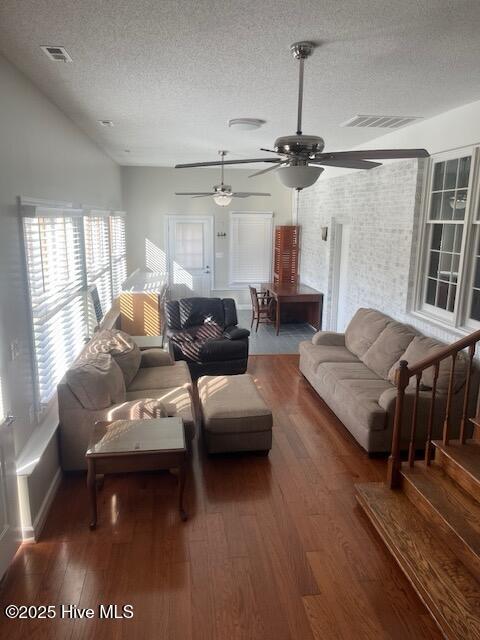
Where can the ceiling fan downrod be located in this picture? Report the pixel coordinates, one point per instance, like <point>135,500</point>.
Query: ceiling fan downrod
<point>301,51</point>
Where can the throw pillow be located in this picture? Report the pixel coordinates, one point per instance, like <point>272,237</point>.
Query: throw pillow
<point>97,381</point>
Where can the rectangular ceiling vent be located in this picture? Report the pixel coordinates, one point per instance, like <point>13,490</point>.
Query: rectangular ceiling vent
<point>57,54</point>
<point>381,122</point>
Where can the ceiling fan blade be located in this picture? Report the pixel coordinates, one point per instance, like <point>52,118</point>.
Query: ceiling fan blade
<point>217,163</point>
<point>203,195</point>
<point>195,193</point>
<point>374,154</point>
<point>246,194</point>
<point>347,164</point>
<point>267,150</point>
<point>278,164</point>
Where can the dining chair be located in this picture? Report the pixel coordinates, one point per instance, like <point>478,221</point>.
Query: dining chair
<point>262,307</point>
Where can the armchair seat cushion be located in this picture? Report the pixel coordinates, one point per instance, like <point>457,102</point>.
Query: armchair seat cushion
<point>160,377</point>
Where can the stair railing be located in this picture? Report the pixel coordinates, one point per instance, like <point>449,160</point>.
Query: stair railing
<point>403,376</point>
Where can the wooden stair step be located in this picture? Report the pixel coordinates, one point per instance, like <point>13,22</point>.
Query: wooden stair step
<point>457,514</point>
<point>448,589</point>
<point>461,462</point>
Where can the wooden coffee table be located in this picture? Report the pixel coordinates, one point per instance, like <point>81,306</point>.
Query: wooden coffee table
<point>126,446</point>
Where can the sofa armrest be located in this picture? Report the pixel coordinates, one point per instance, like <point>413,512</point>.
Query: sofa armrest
<point>389,397</point>
<point>329,339</point>
<point>141,409</point>
<point>155,357</point>
<point>236,333</point>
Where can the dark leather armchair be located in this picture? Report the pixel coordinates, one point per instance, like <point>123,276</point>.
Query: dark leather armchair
<point>204,333</point>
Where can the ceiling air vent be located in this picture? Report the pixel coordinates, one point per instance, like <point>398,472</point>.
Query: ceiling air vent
<point>381,122</point>
<point>57,54</point>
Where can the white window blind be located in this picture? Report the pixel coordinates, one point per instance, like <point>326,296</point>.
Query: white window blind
<point>97,258</point>
<point>118,253</point>
<point>250,247</point>
<point>54,257</point>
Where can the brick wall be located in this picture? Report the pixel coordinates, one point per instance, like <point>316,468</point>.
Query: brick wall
<point>383,208</point>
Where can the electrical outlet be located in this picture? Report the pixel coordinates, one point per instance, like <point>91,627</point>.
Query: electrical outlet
<point>14,350</point>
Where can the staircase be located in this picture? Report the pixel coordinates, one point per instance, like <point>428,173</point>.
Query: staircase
<point>428,513</point>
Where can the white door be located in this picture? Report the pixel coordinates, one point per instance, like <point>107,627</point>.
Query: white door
<point>10,534</point>
<point>339,314</point>
<point>190,256</point>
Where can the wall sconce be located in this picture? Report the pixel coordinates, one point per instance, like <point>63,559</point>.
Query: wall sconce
<point>324,233</point>
<point>221,234</point>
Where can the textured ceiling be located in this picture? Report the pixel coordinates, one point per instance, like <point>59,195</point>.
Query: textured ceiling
<point>170,73</point>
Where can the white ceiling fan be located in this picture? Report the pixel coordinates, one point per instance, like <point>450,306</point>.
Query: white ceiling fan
<point>222,193</point>
<point>301,157</point>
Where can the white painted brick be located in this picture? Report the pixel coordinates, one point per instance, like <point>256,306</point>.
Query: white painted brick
<point>383,207</point>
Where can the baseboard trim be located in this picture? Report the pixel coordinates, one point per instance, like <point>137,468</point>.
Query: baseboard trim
<point>32,533</point>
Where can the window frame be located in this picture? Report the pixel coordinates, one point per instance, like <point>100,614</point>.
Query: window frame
<point>457,320</point>
<point>30,208</point>
<point>237,284</point>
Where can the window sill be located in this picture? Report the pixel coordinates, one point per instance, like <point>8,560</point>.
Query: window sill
<point>425,317</point>
<point>33,451</point>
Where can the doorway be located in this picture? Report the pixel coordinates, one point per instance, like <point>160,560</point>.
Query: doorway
<point>339,313</point>
<point>190,256</point>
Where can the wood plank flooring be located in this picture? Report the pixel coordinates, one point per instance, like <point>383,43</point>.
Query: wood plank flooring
<point>275,548</point>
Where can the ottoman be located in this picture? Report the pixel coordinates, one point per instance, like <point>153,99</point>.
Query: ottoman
<point>234,415</point>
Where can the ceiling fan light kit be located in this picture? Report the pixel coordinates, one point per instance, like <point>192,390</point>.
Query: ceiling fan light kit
<point>298,177</point>
<point>222,193</point>
<point>302,157</point>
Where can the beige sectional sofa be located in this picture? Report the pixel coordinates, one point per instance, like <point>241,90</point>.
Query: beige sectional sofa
<point>119,382</point>
<point>354,373</point>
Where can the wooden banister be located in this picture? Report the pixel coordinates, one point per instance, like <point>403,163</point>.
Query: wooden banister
<point>442,354</point>
<point>402,379</point>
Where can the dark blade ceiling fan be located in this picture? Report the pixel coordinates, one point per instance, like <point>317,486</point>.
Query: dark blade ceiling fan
<point>222,193</point>
<point>301,157</point>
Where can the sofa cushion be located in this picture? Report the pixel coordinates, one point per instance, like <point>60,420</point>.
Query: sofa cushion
<point>422,347</point>
<point>357,389</point>
<point>97,381</point>
<point>177,401</point>
<point>387,348</point>
<point>155,357</point>
<point>141,409</point>
<point>121,347</point>
<point>175,375</point>
<point>315,354</point>
<point>364,328</point>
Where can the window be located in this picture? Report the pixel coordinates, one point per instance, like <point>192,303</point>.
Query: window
<point>118,253</point>
<point>66,253</point>
<point>97,257</point>
<point>53,248</point>
<point>250,248</point>
<point>449,290</point>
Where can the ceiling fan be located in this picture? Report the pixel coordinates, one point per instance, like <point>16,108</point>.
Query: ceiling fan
<point>222,193</point>
<point>302,158</point>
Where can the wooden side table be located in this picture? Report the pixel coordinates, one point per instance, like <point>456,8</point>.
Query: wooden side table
<point>126,446</point>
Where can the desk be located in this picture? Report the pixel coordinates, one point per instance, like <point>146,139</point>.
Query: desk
<point>296,303</point>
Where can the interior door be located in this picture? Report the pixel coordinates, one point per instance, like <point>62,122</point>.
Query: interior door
<point>339,315</point>
<point>190,256</point>
<point>10,534</point>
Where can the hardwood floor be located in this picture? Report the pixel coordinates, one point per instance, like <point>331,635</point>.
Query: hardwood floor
<point>275,548</point>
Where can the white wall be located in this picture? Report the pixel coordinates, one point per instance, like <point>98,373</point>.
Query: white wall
<point>42,155</point>
<point>383,207</point>
<point>149,195</point>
